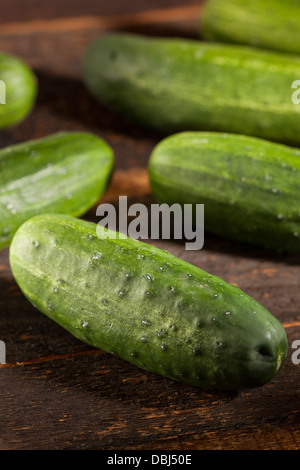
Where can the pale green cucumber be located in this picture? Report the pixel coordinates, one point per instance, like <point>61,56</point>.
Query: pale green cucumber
<point>18,90</point>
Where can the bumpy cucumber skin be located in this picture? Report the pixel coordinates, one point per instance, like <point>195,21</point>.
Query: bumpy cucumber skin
<point>250,187</point>
<point>21,89</point>
<point>146,306</point>
<point>65,173</point>
<point>268,24</point>
<point>174,85</point>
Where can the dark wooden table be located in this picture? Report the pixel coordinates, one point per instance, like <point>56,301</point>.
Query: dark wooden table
<point>58,393</point>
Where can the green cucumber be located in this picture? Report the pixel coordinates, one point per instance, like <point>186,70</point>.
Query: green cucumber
<point>146,306</point>
<point>250,187</point>
<point>268,24</point>
<point>66,173</point>
<point>18,90</point>
<point>174,85</point>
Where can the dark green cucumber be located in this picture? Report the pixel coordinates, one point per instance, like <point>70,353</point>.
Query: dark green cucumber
<point>173,85</point>
<point>146,306</point>
<point>64,173</point>
<point>269,24</point>
<point>250,187</point>
<point>18,90</point>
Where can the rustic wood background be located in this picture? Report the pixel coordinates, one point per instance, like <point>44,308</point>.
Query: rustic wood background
<point>58,393</point>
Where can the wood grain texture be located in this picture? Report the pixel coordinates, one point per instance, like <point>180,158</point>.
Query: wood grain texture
<point>58,393</point>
